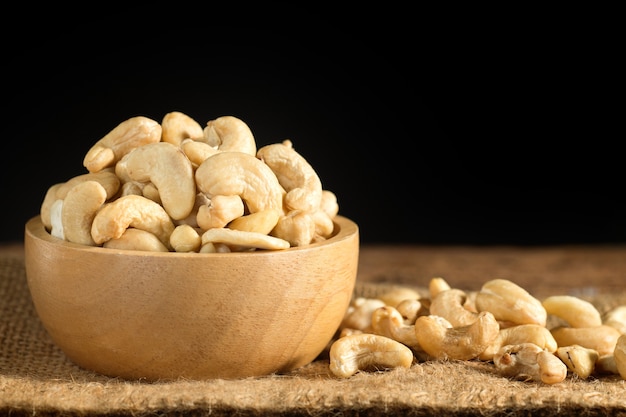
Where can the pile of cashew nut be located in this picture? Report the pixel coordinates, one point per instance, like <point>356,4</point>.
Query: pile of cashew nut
<point>524,338</point>
<point>177,186</point>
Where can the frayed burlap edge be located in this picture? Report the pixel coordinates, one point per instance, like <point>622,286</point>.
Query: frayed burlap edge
<point>37,379</point>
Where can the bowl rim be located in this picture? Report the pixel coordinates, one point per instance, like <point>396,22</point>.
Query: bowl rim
<point>34,229</point>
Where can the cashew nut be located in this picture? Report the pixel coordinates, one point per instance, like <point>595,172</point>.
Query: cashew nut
<point>131,211</point>
<point>295,175</point>
<point>578,359</point>
<point>128,135</point>
<point>260,222</point>
<point>601,338</point>
<point>297,227</point>
<point>463,343</point>
<point>219,211</point>
<point>619,354</point>
<point>56,222</point>
<point>185,238</point>
<point>449,305</point>
<point>107,179</point>
<point>521,333</point>
<point>238,238</point>
<point>387,321</point>
<point>229,133</point>
<point>527,361</point>
<point>46,205</point>
<point>80,206</point>
<point>575,311</point>
<point>238,173</point>
<point>178,126</point>
<point>165,166</point>
<point>359,313</point>
<point>136,239</point>
<point>616,317</point>
<point>395,296</point>
<point>197,151</point>
<point>363,352</point>
<point>509,302</point>
<point>436,285</point>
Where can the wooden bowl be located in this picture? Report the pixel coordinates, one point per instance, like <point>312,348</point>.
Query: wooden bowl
<point>162,316</point>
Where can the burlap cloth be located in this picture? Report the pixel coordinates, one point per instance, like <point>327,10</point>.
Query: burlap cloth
<point>37,379</point>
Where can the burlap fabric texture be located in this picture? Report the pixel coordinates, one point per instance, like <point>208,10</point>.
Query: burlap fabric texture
<point>36,379</point>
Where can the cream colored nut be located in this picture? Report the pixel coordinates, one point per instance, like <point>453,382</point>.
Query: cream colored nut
<point>449,305</point>
<point>107,179</point>
<point>528,362</point>
<point>177,126</point>
<point>185,238</point>
<point>578,359</point>
<point>229,133</point>
<point>575,311</point>
<point>56,222</point>
<point>131,211</point>
<point>196,151</point>
<point>509,302</point>
<point>80,206</point>
<point>616,317</point>
<point>136,239</point>
<point>49,199</point>
<point>410,309</point>
<point>237,173</point>
<point>128,135</point>
<point>165,166</point>
<point>602,338</point>
<point>462,343</point>
<point>243,239</point>
<point>387,321</point>
<point>131,188</point>
<point>364,352</point>
<point>329,204</point>
<point>605,365</point>
<point>220,210</point>
<point>521,333</point>
<point>324,225</point>
<point>619,354</point>
<point>295,175</point>
<point>395,296</point>
<point>260,222</point>
<point>151,192</point>
<point>359,314</point>
<point>436,285</point>
<point>297,228</point>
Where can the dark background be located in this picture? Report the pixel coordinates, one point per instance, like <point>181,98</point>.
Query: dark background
<point>472,142</point>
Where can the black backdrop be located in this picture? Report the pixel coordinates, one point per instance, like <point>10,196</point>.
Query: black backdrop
<point>465,145</point>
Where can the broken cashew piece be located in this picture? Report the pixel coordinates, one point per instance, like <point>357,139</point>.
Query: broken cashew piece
<point>462,343</point>
<point>578,359</point>
<point>297,227</point>
<point>521,333</point>
<point>243,239</point>
<point>575,311</point>
<point>509,302</point>
<point>177,126</point>
<point>238,173</point>
<point>136,239</point>
<point>295,174</point>
<point>80,206</point>
<point>128,135</point>
<point>165,166</point>
<point>363,352</point>
<point>219,211</point>
<point>131,211</point>
<point>527,361</point>
<point>230,134</point>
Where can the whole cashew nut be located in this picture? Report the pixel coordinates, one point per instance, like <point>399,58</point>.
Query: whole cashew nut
<point>361,352</point>
<point>165,166</point>
<point>295,175</point>
<point>602,338</point>
<point>387,321</point>
<point>131,211</point>
<point>177,126</point>
<point>521,333</point>
<point>575,311</point>
<point>136,239</point>
<point>463,343</point>
<point>527,361</point>
<point>228,134</point>
<point>509,302</point>
<point>449,305</point>
<point>128,135</point>
<point>80,206</point>
<point>238,173</point>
